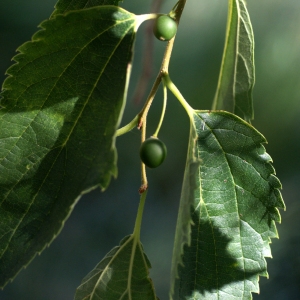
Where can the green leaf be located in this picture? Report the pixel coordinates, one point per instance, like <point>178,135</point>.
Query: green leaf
<point>63,6</point>
<point>234,205</point>
<point>184,222</point>
<point>122,274</point>
<point>124,271</point>
<point>236,79</point>
<point>61,106</point>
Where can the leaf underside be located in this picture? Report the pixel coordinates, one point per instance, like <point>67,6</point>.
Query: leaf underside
<point>61,105</point>
<point>231,213</point>
<point>122,274</point>
<point>236,79</point>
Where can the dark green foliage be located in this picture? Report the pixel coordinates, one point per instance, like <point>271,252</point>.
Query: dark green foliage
<point>236,79</point>
<point>232,210</point>
<point>64,6</point>
<point>62,103</point>
<point>61,106</point>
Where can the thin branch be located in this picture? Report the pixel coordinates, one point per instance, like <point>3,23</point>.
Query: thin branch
<point>147,63</point>
<point>164,67</point>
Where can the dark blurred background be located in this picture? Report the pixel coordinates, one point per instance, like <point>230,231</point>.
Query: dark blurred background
<point>100,220</point>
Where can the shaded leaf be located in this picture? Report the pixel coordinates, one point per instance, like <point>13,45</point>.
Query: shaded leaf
<point>122,274</point>
<point>63,6</point>
<point>235,204</point>
<point>236,79</point>
<point>62,104</point>
<point>183,226</point>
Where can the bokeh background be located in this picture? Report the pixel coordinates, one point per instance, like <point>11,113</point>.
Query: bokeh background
<point>101,220</point>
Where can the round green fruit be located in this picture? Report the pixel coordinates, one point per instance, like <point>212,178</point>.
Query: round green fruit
<point>153,152</point>
<point>164,28</point>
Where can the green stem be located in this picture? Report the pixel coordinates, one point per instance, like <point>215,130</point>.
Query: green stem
<point>172,13</point>
<point>172,87</point>
<point>138,221</point>
<point>142,18</point>
<point>163,111</point>
<point>128,127</point>
<point>136,236</point>
<point>144,185</point>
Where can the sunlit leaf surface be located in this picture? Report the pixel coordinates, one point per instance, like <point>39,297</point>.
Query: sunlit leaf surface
<point>61,106</point>
<point>233,202</point>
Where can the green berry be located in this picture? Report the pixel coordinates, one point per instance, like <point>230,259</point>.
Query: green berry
<point>164,28</point>
<point>153,152</point>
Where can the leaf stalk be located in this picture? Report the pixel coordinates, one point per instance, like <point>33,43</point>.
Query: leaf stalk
<point>172,87</point>
<point>132,124</point>
<point>138,221</point>
<point>163,111</point>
